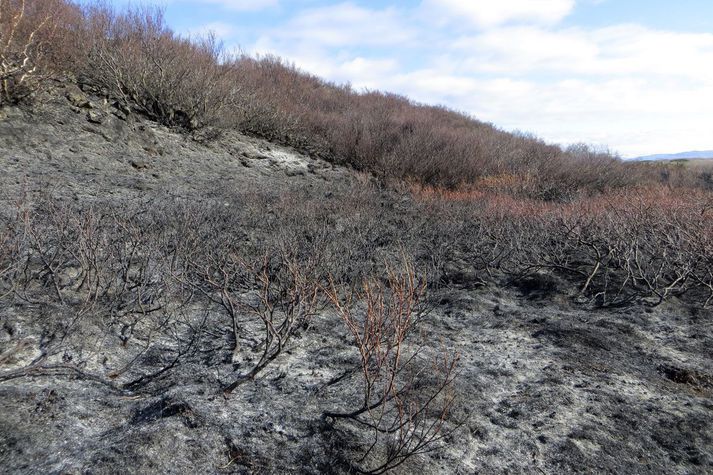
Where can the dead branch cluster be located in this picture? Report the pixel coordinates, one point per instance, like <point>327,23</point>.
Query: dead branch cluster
<point>20,47</point>
<point>137,272</point>
<point>634,247</point>
<point>395,404</point>
<point>134,57</point>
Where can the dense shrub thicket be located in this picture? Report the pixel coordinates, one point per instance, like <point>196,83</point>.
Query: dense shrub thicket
<point>131,56</point>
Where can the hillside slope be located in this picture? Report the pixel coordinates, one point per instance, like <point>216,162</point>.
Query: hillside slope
<point>93,382</point>
<point>79,146</point>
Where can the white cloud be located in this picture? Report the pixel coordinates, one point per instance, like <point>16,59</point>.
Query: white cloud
<point>242,5</point>
<point>632,116</point>
<point>490,13</point>
<point>360,72</point>
<point>326,41</point>
<point>363,73</point>
<point>346,24</point>
<point>614,51</point>
<point>524,49</point>
<point>221,30</point>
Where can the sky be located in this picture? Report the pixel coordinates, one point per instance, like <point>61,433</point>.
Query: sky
<point>632,76</point>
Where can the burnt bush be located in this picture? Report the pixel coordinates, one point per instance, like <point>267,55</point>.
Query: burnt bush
<point>404,411</point>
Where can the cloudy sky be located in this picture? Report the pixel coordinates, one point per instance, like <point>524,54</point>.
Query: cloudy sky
<point>632,75</point>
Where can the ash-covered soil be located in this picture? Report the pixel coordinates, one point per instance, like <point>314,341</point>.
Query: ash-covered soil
<point>546,385</point>
<point>547,388</point>
<point>82,147</point>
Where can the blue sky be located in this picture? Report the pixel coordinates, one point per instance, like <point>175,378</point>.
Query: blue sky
<point>635,76</point>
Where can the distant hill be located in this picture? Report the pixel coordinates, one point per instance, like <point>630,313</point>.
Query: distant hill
<point>695,155</point>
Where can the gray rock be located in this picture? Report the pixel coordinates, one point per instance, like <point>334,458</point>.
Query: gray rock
<point>139,164</point>
<point>78,99</point>
<point>95,117</point>
<point>294,171</point>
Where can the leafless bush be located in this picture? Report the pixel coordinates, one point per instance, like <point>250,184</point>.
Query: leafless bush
<point>633,245</point>
<point>403,407</point>
<point>93,269</point>
<point>20,47</point>
<point>10,256</point>
<point>267,301</point>
<point>616,248</point>
<point>35,43</point>
<point>92,260</point>
<point>396,139</point>
<point>174,80</point>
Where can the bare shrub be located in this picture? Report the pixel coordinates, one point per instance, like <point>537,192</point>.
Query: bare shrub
<point>403,405</point>
<point>398,139</point>
<point>21,48</point>
<point>702,276</point>
<point>267,301</point>
<point>37,43</point>
<point>177,81</point>
<point>643,244</point>
<point>11,249</point>
<point>93,260</point>
<point>634,245</point>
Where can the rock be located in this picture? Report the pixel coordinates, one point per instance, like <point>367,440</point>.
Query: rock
<point>95,117</point>
<point>142,185</point>
<point>118,105</point>
<point>294,171</point>
<point>139,164</point>
<point>119,114</point>
<point>97,104</point>
<point>78,99</point>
